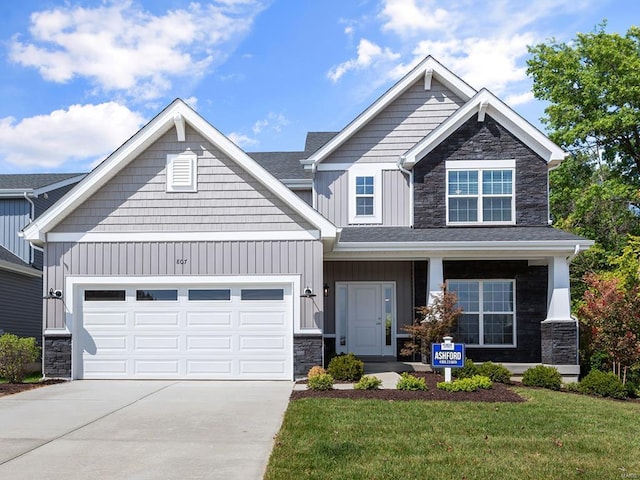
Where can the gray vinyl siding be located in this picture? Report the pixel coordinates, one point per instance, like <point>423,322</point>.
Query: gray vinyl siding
<point>21,305</point>
<point>399,126</point>
<point>332,197</point>
<point>399,272</point>
<point>228,198</point>
<point>41,203</point>
<point>14,215</point>
<point>299,257</point>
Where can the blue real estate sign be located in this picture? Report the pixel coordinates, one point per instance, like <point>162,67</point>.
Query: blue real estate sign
<point>448,355</point>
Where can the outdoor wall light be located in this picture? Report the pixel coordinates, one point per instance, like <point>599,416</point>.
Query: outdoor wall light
<point>325,289</point>
<point>308,293</point>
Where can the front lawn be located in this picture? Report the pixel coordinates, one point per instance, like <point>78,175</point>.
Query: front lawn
<point>552,436</point>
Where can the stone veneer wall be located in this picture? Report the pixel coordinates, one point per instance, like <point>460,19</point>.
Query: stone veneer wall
<point>307,352</point>
<point>57,357</point>
<point>559,342</point>
<point>480,141</point>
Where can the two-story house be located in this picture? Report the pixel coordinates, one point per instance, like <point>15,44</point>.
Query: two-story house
<point>182,256</point>
<point>23,197</point>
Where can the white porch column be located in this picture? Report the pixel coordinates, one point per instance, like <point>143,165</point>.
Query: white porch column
<point>435,279</point>
<point>559,297</point>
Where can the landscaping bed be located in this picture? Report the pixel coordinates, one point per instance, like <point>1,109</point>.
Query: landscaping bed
<point>11,388</point>
<point>499,393</point>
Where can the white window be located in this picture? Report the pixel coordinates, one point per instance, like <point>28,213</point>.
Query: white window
<point>365,195</point>
<point>488,317</point>
<point>481,195</point>
<point>182,172</point>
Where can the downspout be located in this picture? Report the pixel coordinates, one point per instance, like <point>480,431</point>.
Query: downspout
<point>31,217</point>
<point>400,163</point>
<point>570,258</point>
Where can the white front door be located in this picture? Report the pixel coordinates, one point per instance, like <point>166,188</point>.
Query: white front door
<point>370,318</point>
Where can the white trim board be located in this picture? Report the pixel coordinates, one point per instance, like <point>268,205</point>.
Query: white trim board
<point>163,236</point>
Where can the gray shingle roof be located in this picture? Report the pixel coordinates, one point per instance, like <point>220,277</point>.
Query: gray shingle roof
<point>286,165</point>
<point>453,234</point>
<point>32,180</point>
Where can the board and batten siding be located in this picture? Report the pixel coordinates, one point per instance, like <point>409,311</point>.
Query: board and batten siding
<point>21,307</point>
<point>228,198</point>
<point>137,259</point>
<point>400,126</point>
<point>362,271</point>
<point>14,215</point>
<point>332,197</point>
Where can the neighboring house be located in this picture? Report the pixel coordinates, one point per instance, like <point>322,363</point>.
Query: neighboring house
<point>23,198</point>
<point>182,256</point>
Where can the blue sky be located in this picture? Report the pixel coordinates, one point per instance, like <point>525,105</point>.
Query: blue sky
<point>80,77</point>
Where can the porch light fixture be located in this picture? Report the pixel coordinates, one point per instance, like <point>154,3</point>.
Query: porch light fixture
<point>308,293</point>
<point>325,289</point>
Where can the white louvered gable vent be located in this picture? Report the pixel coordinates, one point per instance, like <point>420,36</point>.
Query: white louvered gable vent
<point>182,172</point>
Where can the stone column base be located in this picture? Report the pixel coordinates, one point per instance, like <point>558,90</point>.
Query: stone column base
<point>559,342</point>
<point>56,356</point>
<point>307,352</point>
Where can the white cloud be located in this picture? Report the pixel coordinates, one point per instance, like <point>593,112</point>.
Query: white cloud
<point>82,132</point>
<point>273,121</point>
<point>120,47</point>
<point>242,140</point>
<point>369,54</point>
<point>407,17</point>
<point>519,98</point>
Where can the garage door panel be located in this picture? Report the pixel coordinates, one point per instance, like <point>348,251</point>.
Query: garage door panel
<point>211,318</point>
<point>230,338</point>
<point>112,319</point>
<point>156,319</point>
<point>261,342</point>
<point>210,343</point>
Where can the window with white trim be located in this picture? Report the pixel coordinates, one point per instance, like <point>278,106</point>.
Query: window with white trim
<point>488,317</point>
<point>182,172</point>
<point>365,195</point>
<point>480,195</point>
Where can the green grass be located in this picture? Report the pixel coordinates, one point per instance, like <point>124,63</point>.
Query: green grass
<point>552,436</point>
<point>31,378</point>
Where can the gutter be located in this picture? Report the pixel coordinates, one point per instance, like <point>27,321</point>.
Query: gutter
<point>400,164</point>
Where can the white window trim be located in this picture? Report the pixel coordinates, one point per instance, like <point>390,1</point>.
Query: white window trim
<point>481,313</point>
<point>374,171</point>
<point>192,160</point>
<point>485,165</point>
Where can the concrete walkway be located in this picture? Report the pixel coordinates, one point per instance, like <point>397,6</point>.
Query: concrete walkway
<point>141,430</point>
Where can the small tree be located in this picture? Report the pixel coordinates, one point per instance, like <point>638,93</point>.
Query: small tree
<point>434,321</point>
<point>15,354</point>
<point>613,315</point>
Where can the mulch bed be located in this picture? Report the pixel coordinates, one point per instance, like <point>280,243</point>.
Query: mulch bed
<point>499,393</point>
<point>11,388</point>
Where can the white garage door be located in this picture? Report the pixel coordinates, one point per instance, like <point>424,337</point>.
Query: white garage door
<point>197,332</point>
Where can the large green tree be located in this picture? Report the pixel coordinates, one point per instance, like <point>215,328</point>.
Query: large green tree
<point>592,85</point>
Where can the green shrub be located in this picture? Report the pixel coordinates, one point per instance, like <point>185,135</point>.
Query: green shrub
<point>368,383</point>
<point>469,370</point>
<point>603,384</point>
<point>470,384</point>
<point>572,387</point>
<point>315,370</point>
<point>346,367</point>
<point>15,354</point>
<point>599,361</point>
<point>410,382</point>
<point>496,372</point>
<point>542,376</point>
<point>322,381</point>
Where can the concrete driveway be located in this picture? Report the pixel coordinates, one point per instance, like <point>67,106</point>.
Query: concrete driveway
<point>141,430</point>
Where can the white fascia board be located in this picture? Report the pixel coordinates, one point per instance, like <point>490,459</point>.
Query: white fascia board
<point>15,268</point>
<point>503,114</point>
<point>157,127</point>
<point>298,183</point>
<point>439,72</point>
<point>60,184</point>
<point>164,236</point>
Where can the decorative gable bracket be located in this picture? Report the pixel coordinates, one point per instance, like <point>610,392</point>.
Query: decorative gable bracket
<point>428,75</point>
<point>178,121</point>
<point>482,109</point>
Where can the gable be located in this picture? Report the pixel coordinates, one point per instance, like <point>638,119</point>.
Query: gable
<point>227,198</point>
<point>400,125</point>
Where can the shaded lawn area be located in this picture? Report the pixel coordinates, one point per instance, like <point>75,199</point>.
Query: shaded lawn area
<point>551,436</point>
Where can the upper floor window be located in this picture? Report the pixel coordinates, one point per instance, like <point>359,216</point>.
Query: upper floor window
<point>480,195</point>
<point>182,172</point>
<point>365,195</point>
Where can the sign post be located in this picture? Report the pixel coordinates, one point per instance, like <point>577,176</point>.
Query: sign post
<point>447,355</point>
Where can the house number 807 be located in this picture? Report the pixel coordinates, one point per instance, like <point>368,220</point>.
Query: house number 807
<point>181,261</point>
